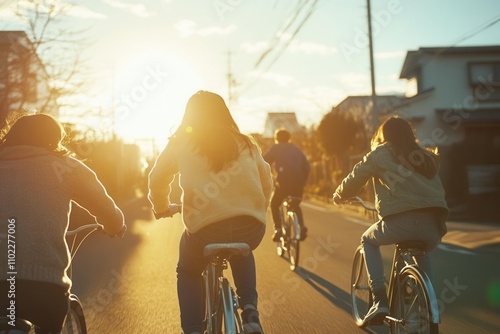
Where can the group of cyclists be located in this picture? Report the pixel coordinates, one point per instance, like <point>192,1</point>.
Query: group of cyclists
<point>208,145</point>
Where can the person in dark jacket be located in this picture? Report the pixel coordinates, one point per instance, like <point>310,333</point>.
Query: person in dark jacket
<point>292,169</point>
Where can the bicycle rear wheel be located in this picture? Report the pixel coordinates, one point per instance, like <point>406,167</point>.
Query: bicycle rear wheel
<point>361,296</point>
<point>294,243</point>
<point>411,305</point>
<point>232,323</point>
<point>75,320</point>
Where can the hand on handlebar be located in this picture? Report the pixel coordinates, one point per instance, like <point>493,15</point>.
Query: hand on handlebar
<point>172,210</point>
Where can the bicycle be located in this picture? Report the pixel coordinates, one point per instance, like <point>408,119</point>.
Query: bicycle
<point>290,226</point>
<point>221,301</point>
<point>413,306</point>
<point>75,319</point>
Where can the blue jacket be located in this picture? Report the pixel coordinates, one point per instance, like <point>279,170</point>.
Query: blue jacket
<point>290,165</point>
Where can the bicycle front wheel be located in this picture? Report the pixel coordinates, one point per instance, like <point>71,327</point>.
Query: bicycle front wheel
<point>361,296</point>
<point>75,320</point>
<point>294,243</point>
<point>410,305</point>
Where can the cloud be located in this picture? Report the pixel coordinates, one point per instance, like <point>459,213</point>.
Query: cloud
<point>294,47</point>
<point>281,79</point>
<point>255,47</point>
<point>311,48</point>
<point>85,13</point>
<point>390,55</point>
<point>135,9</point>
<point>188,28</point>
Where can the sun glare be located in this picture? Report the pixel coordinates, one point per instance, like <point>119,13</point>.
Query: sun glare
<point>150,94</point>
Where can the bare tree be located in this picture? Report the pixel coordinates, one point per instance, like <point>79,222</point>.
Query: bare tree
<point>41,66</point>
<point>57,45</point>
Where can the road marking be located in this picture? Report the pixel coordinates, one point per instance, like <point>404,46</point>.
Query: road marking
<point>357,221</point>
<point>315,207</point>
<point>450,248</point>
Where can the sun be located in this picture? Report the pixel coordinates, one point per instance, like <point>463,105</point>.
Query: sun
<point>150,93</point>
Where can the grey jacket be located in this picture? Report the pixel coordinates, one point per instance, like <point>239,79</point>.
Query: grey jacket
<point>36,194</point>
<point>397,189</point>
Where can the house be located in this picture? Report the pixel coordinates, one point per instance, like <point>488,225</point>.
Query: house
<point>369,108</point>
<point>23,78</point>
<point>453,101</point>
<point>276,120</point>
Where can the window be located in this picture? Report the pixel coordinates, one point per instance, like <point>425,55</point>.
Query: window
<point>485,80</point>
<point>411,87</point>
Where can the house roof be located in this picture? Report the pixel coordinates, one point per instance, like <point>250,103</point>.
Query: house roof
<point>412,60</point>
<point>10,36</point>
<point>276,120</point>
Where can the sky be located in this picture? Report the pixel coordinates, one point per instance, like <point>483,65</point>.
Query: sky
<point>147,57</point>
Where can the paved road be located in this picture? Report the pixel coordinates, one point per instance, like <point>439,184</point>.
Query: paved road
<point>128,285</point>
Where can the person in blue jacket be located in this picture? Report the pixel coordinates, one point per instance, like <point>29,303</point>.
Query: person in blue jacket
<point>292,170</point>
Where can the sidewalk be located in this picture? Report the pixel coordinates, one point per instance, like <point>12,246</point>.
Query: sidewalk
<point>468,235</point>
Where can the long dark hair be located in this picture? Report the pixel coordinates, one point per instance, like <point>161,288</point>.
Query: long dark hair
<point>405,147</point>
<point>209,126</point>
<point>39,130</point>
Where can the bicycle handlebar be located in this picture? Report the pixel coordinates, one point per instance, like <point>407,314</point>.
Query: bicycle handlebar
<point>360,201</point>
<point>77,230</point>
<point>173,208</point>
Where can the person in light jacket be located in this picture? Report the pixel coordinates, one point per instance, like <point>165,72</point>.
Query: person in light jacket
<point>409,198</point>
<point>226,187</point>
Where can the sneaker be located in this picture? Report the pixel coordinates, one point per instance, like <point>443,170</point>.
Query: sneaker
<point>303,233</point>
<point>277,235</point>
<point>379,310</point>
<point>251,322</point>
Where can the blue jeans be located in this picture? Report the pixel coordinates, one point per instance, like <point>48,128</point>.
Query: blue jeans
<point>192,263</point>
<point>417,225</point>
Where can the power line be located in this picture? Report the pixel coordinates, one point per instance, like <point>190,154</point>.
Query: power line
<point>274,44</point>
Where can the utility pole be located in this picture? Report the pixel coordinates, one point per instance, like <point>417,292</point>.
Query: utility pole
<point>372,66</point>
<point>372,120</point>
<point>231,82</point>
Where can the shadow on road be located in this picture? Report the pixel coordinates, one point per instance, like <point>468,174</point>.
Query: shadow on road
<point>333,293</point>
<point>101,259</point>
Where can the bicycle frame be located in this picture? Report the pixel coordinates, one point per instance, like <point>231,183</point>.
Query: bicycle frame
<point>403,259</point>
<point>405,265</point>
<point>220,300</point>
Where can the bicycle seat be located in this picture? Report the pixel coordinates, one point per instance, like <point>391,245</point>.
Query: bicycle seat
<point>227,249</point>
<point>292,200</point>
<point>411,244</point>
<point>21,325</point>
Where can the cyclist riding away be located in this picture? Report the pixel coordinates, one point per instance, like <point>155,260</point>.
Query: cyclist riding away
<point>39,181</point>
<point>409,198</point>
<point>292,170</point>
<point>226,188</point>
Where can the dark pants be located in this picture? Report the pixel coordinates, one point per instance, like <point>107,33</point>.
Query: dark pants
<point>192,263</point>
<point>280,193</point>
<point>43,304</point>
